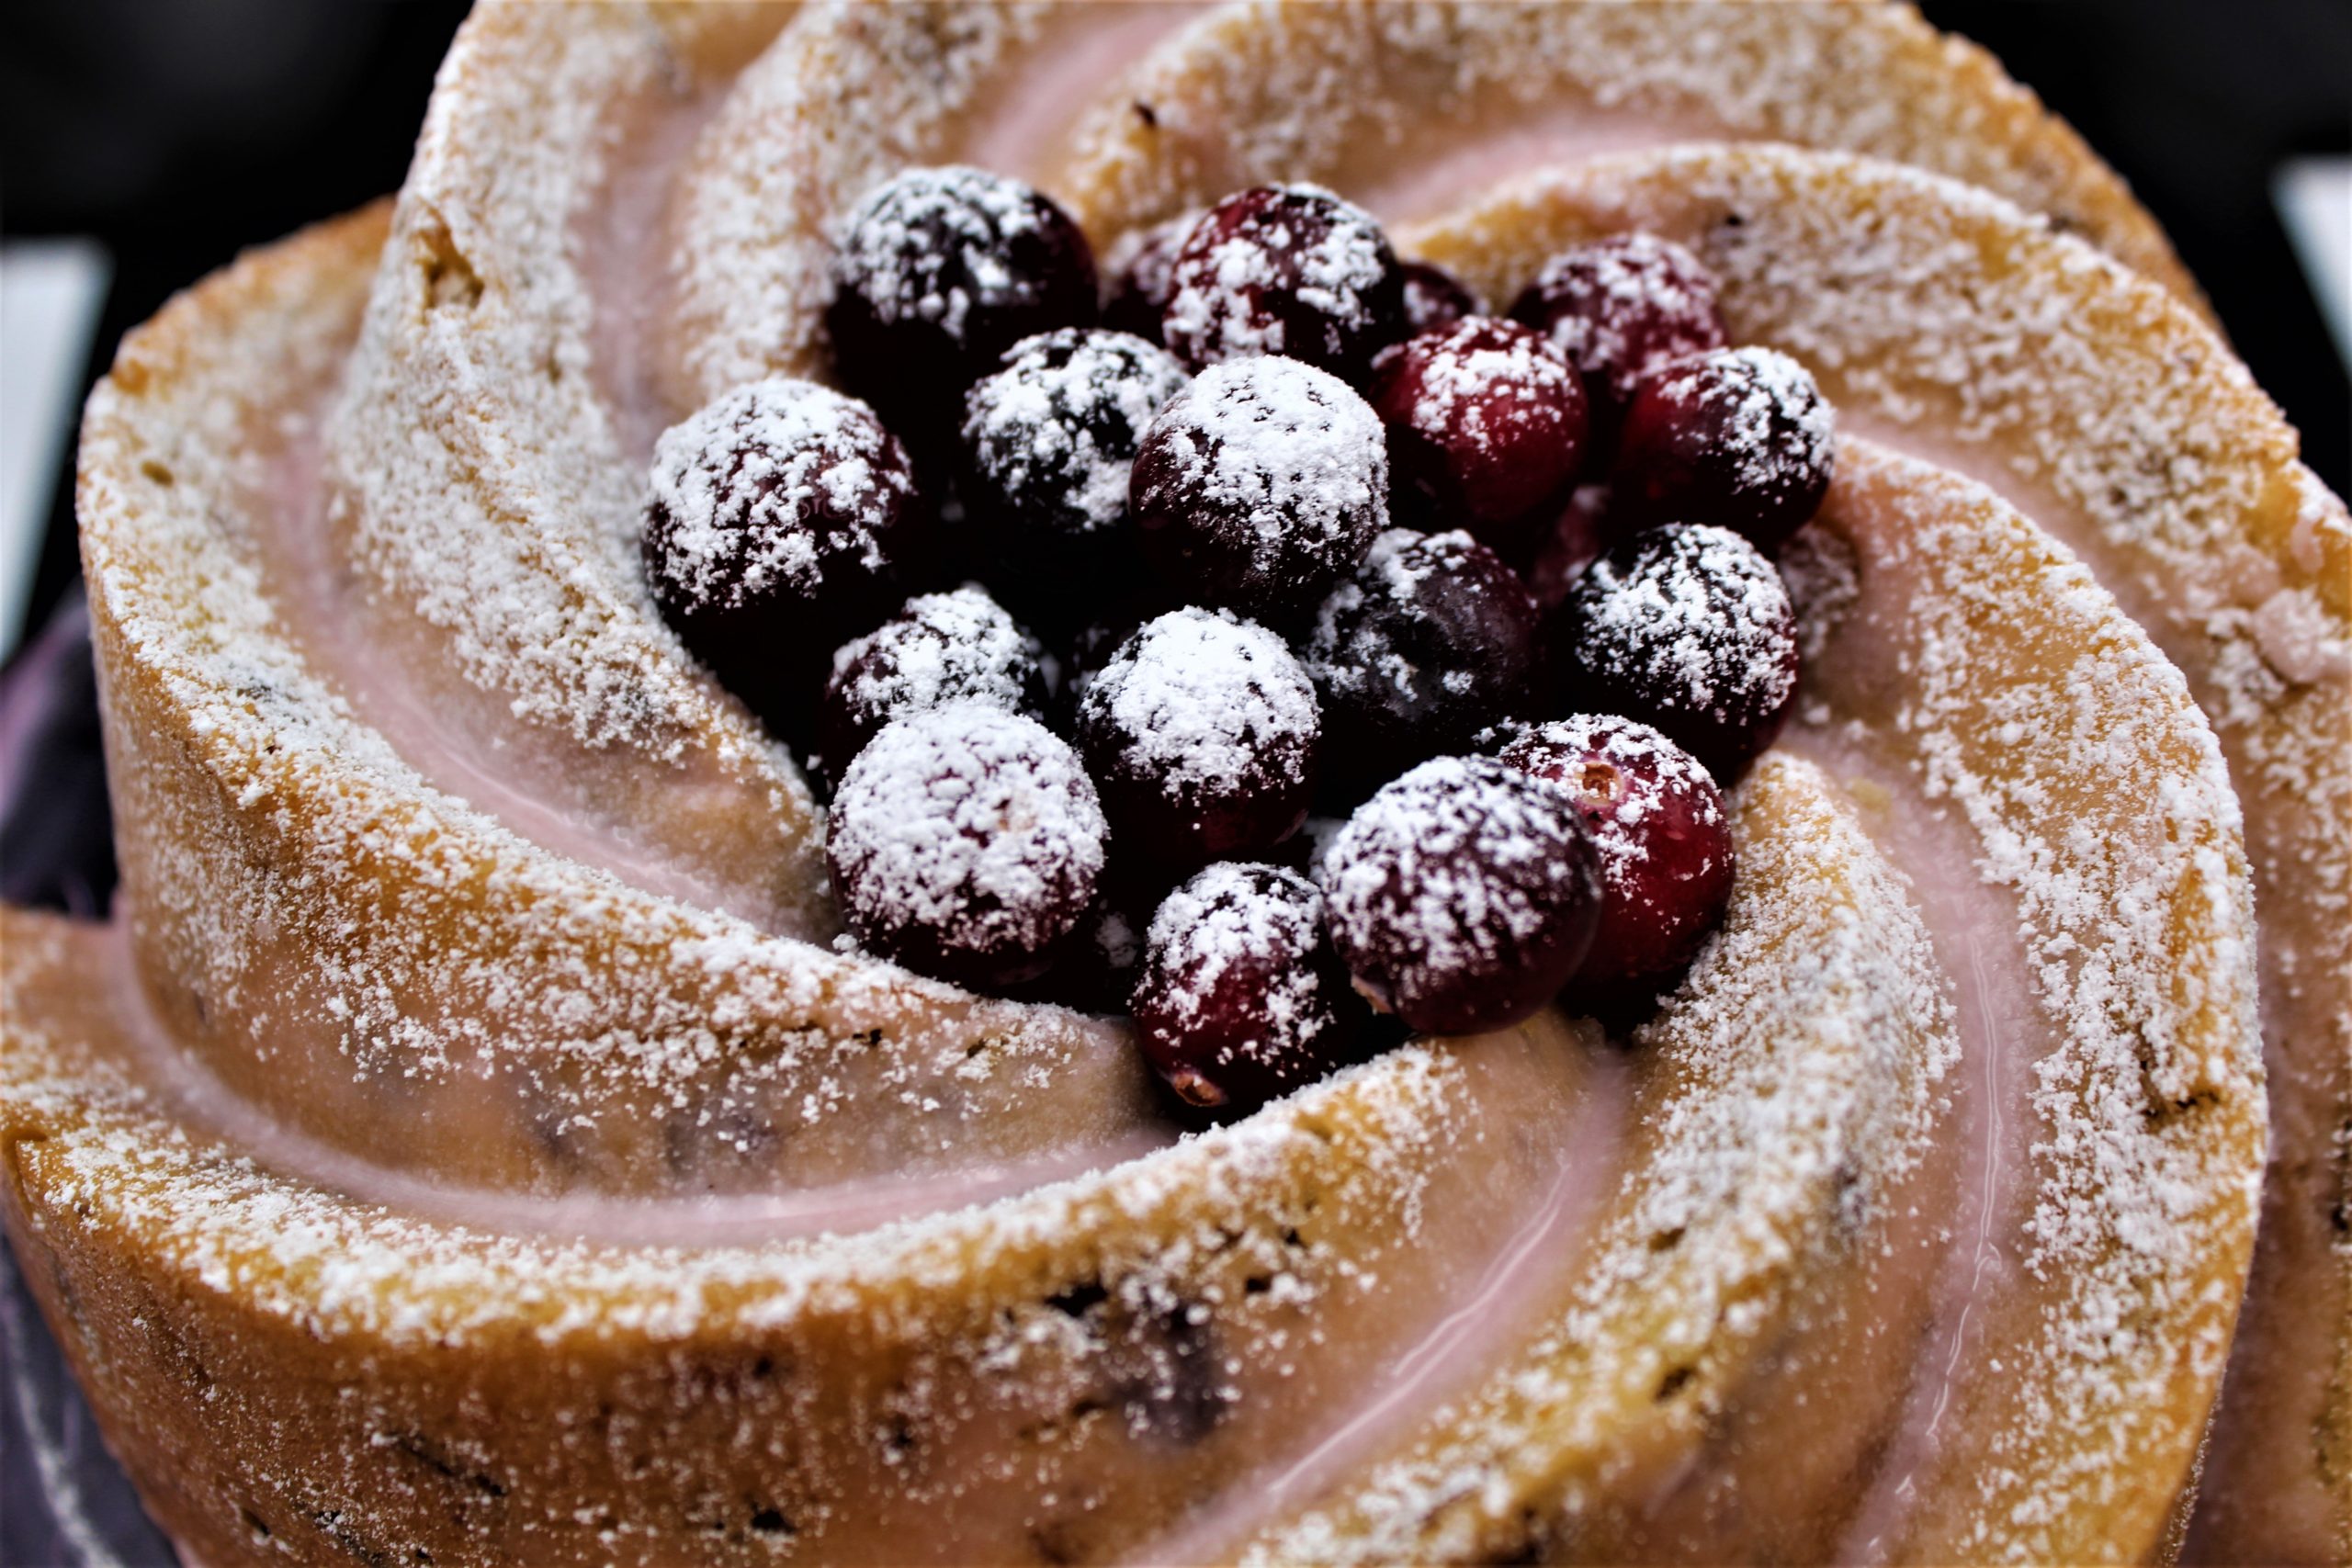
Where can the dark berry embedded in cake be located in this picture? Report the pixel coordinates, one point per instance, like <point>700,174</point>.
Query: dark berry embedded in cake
<point>1284,269</point>
<point>1258,486</point>
<point>940,648</point>
<point>1740,437</point>
<point>1435,299</point>
<point>1688,627</point>
<point>1657,821</point>
<point>938,272</point>
<point>1485,426</point>
<point>777,523</point>
<point>1620,309</point>
<point>1140,270</point>
<point>965,842</point>
<point>1462,896</point>
<point>1049,447</point>
<point>1202,733</point>
<point>1430,641</point>
<point>1241,996</point>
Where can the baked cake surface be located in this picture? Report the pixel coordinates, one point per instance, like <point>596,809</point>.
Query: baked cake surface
<point>471,1143</point>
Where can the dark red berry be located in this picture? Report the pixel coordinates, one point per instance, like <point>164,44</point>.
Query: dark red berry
<point>1239,996</point>
<point>1284,269</point>
<point>777,523</point>
<point>1658,820</point>
<point>1434,297</point>
<point>1620,309</point>
<point>1049,448</point>
<point>938,271</point>
<point>1201,732</point>
<point>965,842</point>
<point>1485,430</point>
<point>1430,640</point>
<point>1138,276</point>
<point>1686,628</point>
<point>1740,437</point>
<point>940,648</point>
<point>1258,486</point>
<point>1462,896</point>
<point>1574,541</point>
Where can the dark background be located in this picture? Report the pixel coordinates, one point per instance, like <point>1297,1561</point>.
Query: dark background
<point>179,131</point>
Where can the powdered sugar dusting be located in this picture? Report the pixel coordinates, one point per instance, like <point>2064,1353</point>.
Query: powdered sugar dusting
<point>1213,312</point>
<point>745,486</point>
<point>1460,861</point>
<point>928,245</point>
<point>1289,448</point>
<point>1203,697</point>
<point>970,821</point>
<point>1709,617</point>
<point>942,647</point>
<point>1268,922</point>
<point>1657,768</point>
<point>1484,389</point>
<point>1056,431</point>
<point>1768,420</point>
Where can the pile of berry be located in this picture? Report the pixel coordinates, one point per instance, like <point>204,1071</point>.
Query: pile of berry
<point>1269,532</point>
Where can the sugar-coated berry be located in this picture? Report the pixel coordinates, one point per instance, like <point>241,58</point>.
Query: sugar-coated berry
<point>938,273</point>
<point>1620,309</point>
<point>1048,453</point>
<point>1434,297</point>
<point>939,648</point>
<point>1284,269</point>
<point>1462,896</point>
<point>1258,486</point>
<point>1658,823</point>
<point>1741,437</point>
<point>1430,641</point>
<point>965,842</point>
<point>1689,628</point>
<point>1239,996</point>
<point>778,520</point>
<point>1203,733</point>
<point>1138,276</point>
<point>1486,425</point>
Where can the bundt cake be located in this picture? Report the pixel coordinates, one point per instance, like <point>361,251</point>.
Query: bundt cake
<point>567,1082</point>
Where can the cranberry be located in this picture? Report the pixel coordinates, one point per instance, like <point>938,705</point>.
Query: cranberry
<point>1201,732</point>
<point>1658,820</point>
<point>1688,627</point>
<point>938,271</point>
<point>1485,429</point>
<point>1462,896</point>
<point>941,648</point>
<point>1239,996</point>
<point>1434,297</point>
<point>1575,540</point>
<point>1739,437</point>
<point>1284,269</point>
<point>1049,445</point>
<point>1141,268</point>
<point>1260,485</point>
<point>778,521</point>
<point>1432,639</point>
<point>1620,309</point>
<point>965,842</point>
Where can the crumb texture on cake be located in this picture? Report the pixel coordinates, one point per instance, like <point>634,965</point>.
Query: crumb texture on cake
<point>473,1140</point>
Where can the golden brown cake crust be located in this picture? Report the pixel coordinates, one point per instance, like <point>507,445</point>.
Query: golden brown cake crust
<point>383,982</point>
